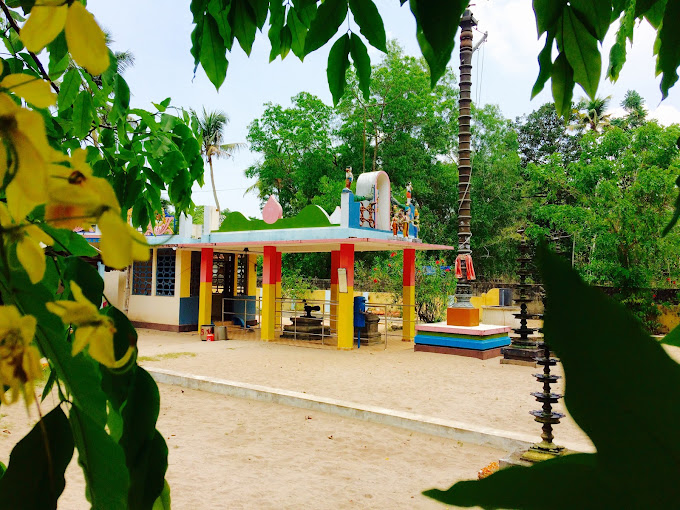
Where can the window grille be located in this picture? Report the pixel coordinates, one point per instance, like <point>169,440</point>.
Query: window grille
<point>218,273</point>
<point>165,272</point>
<point>223,273</point>
<point>142,277</point>
<point>242,275</point>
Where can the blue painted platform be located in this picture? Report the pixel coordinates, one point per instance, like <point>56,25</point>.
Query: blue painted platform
<point>462,343</point>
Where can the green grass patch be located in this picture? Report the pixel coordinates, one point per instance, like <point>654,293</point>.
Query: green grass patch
<point>167,355</point>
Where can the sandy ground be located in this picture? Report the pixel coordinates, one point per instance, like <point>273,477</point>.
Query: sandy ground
<point>457,388</point>
<point>239,454</point>
<point>233,453</point>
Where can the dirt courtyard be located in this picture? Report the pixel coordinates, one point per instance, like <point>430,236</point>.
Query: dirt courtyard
<point>232,453</point>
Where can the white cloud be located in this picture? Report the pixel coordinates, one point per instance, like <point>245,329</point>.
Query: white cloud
<point>666,114</point>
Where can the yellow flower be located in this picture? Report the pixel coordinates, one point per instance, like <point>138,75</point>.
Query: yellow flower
<point>34,90</point>
<point>19,360</point>
<point>85,40</point>
<point>28,239</point>
<point>78,198</point>
<point>92,328</point>
<point>121,244</point>
<point>24,152</point>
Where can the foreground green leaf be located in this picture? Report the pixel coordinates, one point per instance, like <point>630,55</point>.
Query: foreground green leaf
<point>437,23</point>
<point>87,278</point>
<point>562,80</point>
<point>103,463</point>
<point>547,13</point>
<point>583,55</point>
<point>672,338</point>
<point>362,64</point>
<point>338,62</point>
<point>146,453</point>
<point>325,24</point>
<point>669,47</point>
<point>630,410</point>
<point>370,23</point>
<point>80,374</point>
<point>213,53</point>
<point>163,501</point>
<point>34,479</point>
<point>545,66</point>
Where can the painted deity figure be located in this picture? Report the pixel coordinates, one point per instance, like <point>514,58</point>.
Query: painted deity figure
<point>406,220</point>
<point>349,177</point>
<point>395,220</point>
<point>416,218</point>
<point>409,189</point>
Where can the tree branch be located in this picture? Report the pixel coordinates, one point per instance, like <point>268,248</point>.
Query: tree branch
<point>14,25</point>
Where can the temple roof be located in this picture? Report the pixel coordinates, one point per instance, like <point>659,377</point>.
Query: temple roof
<point>311,240</point>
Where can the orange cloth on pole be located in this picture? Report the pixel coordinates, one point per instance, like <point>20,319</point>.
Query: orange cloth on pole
<point>470,269</point>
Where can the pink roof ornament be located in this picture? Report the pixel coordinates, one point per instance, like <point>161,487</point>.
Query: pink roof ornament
<point>272,210</point>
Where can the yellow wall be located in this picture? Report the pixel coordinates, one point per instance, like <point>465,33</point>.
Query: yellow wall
<point>669,318</point>
<point>491,298</point>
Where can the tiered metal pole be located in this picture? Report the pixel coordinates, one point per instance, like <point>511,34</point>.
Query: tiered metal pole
<point>523,350</point>
<point>546,449</point>
<point>463,291</point>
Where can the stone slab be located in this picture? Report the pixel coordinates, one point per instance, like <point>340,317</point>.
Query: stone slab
<point>481,330</point>
<point>467,433</point>
<point>480,344</point>
<point>519,362</point>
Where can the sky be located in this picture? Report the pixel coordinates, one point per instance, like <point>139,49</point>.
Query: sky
<point>158,33</point>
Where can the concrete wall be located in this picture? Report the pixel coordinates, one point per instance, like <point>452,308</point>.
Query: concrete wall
<point>158,309</point>
<point>114,288</point>
<point>154,309</point>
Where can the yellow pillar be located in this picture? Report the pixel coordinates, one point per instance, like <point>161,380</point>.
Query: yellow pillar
<point>346,299</point>
<point>268,294</point>
<point>205,294</point>
<point>409,296</point>
<point>335,263</point>
<point>252,275</point>
<point>184,264</point>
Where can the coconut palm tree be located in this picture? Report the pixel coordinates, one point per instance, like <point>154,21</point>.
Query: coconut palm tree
<point>591,113</point>
<point>634,105</point>
<point>211,131</point>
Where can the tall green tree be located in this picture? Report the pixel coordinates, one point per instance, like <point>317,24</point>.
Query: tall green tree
<point>614,203</point>
<point>408,130</point>
<point>296,145</point>
<point>211,126</point>
<point>634,105</point>
<point>497,206</point>
<point>543,134</point>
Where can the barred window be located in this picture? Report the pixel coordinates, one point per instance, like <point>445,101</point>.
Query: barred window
<point>195,275</point>
<point>165,272</point>
<point>242,274</point>
<point>142,277</point>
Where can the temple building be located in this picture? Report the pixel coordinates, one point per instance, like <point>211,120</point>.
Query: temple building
<point>192,281</point>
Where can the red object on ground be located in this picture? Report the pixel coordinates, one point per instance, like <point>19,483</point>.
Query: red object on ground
<point>210,337</point>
